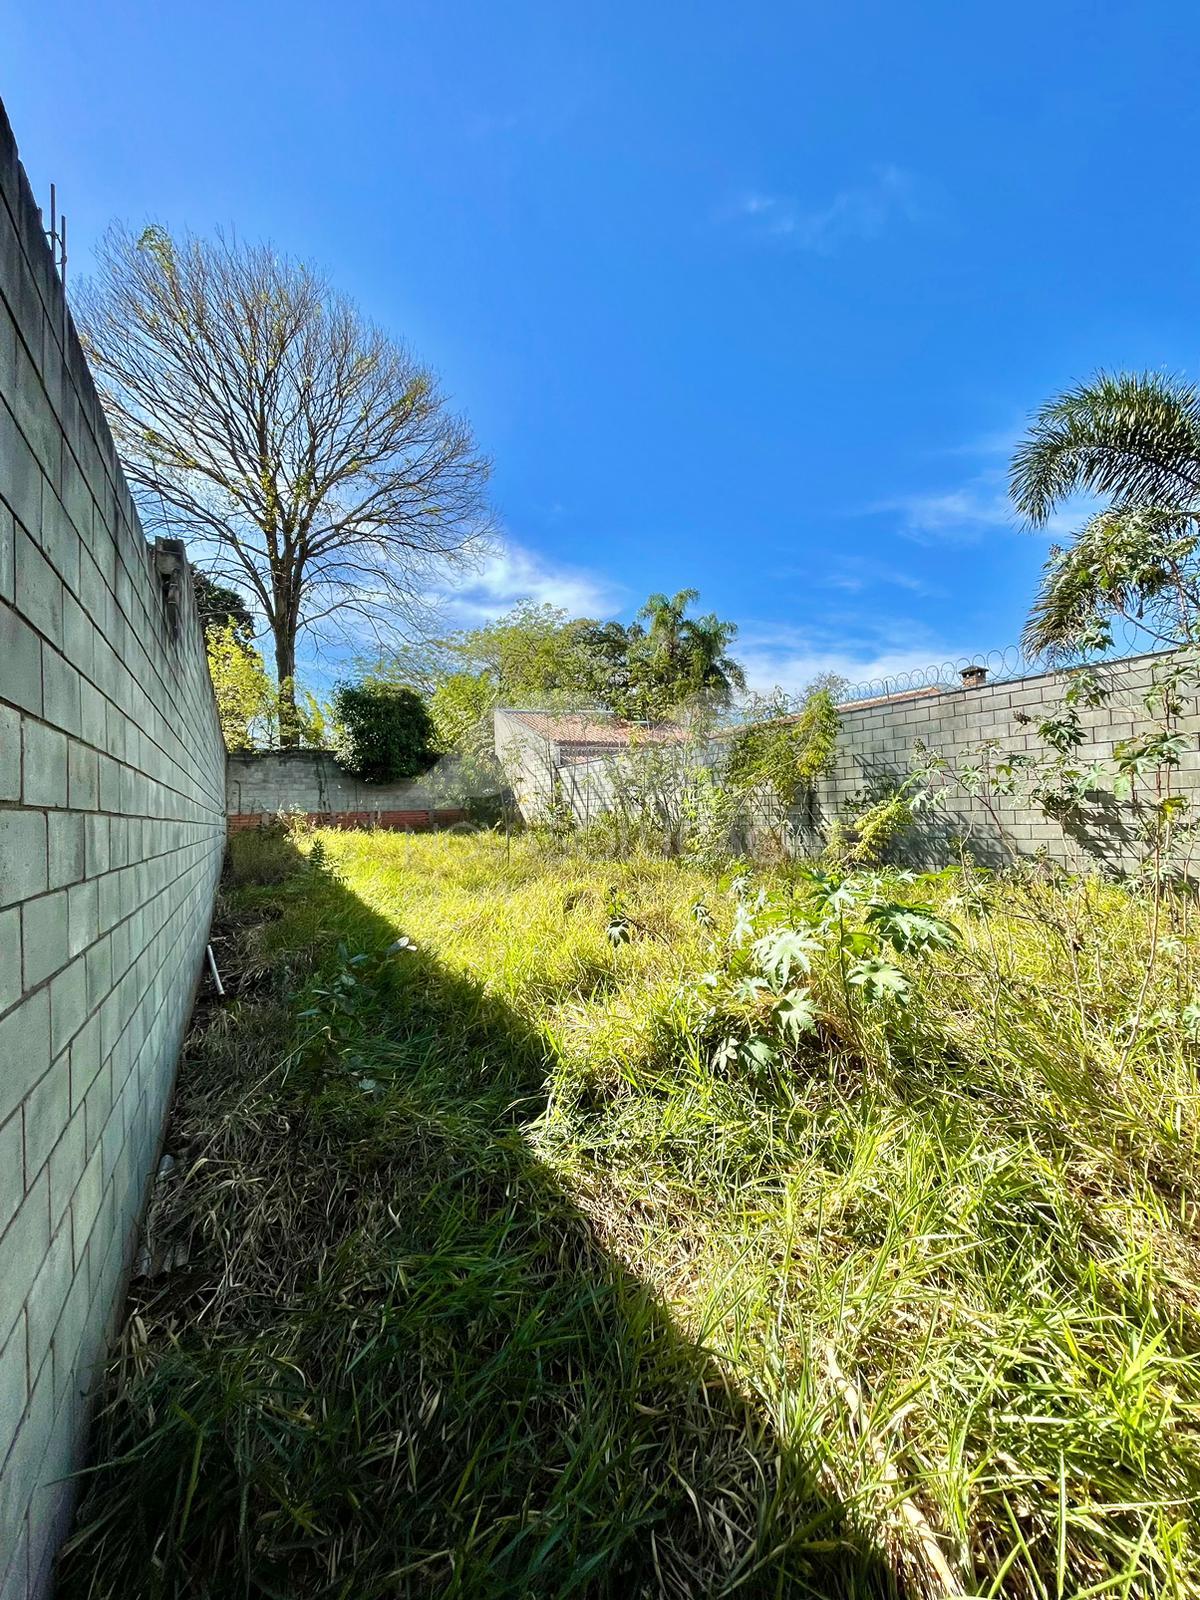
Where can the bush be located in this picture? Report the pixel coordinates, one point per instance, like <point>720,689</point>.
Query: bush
<point>386,733</point>
<point>784,752</point>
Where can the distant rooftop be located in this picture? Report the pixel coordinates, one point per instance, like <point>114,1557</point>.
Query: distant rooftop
<point>594,732</point>
<point>897,694</point>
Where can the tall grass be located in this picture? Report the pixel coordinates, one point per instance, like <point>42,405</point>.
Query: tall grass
<point>506,1274</point>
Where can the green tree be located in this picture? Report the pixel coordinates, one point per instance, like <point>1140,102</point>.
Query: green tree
<point>247,700</point>
<point>1133,438</point>
<point>710,672</point>
<point>683,659</point>
<point>540,656</point>
<point>305,456</point>
<point>218,606</point>
<point>533,655</point>
<point>460,709</point>
<point>604,655</point>
<point>386,734</point>
<point>530,654</point>
<point>668,627</point>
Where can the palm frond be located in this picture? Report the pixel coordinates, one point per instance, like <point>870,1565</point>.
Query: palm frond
<point>1140,563</point>
<point>1131,437</point>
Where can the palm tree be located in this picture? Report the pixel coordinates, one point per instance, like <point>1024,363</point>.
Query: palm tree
<point>667,624</point>
<point>688,656</point>
<point>1133,438</point>
<point>712,674</point>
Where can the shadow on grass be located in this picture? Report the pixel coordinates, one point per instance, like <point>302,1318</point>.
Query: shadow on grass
<point>398,1361</point>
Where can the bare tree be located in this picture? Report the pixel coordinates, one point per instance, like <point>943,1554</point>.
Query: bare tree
<point>308,458</point>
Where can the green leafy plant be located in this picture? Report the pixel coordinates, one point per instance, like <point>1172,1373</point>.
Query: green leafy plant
<point>759,1001</point>
<point>861,833</point>
<point>386,733</point>
<point>784,752</point>
<point>336,1044</point>
<point>620,926</point>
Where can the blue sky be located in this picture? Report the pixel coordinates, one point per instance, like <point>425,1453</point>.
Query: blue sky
<point>749,298</point>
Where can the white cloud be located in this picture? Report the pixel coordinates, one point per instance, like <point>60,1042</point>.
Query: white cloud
<point>1001,442</point>
<point>511,572</point>
<point>978,504</point>
<point>858,573</point>
<point>966,512</point>
<point>959,515</point>
<point>780,656</point>
<point>859,212</point>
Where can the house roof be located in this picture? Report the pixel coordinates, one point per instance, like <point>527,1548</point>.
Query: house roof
<point>888,699</point>
<point>593,733</point>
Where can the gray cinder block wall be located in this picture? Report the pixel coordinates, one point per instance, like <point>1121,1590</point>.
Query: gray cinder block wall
<point>112,830</point>
<point>262,783</point>
<point>876,743</point>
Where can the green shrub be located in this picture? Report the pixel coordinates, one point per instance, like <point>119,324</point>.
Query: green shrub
<point>869,823</point>
<point>263,855</point>
<point>386,732</point>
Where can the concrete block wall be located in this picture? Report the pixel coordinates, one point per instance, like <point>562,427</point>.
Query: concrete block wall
<point>877,742</point>
<point>112,829</point>
<point>262,783</point>
<point>529,761</point>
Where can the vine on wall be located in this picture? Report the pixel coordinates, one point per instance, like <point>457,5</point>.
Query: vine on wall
<point>785,753</point>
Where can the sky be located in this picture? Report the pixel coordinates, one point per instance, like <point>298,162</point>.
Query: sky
<point>748,298</point>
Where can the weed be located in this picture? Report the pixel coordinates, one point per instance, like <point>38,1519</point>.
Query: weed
<point>838,1239</point>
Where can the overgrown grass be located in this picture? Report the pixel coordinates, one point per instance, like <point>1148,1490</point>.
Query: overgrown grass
<point>575,1252</point>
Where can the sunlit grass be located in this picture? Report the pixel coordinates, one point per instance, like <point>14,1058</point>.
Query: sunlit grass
<point>499,1286</point>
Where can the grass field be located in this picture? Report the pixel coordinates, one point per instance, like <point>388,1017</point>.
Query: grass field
<point>636,1229</point>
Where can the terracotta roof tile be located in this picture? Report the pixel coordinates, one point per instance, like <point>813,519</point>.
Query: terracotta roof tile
<point>591,733</point>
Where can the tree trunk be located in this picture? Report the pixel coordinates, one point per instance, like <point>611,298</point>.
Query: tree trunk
<point>285,670</point>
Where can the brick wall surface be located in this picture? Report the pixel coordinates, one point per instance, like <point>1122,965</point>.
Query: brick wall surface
<point>876,744</point>
<point>112,828</point>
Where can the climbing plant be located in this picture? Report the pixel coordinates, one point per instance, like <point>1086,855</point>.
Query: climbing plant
<point>785,752</point>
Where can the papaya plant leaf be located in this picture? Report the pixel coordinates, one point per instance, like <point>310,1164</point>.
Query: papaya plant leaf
<point>879,980</point>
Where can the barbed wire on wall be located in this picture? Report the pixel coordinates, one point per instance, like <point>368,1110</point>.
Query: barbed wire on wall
<point>993,666</point>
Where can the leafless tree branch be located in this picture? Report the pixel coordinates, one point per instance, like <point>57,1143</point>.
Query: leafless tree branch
<point>305,456</point>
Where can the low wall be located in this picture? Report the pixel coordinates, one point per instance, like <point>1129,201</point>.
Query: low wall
<point>420,821</point>
<point>260,784</point>
<point>112,830</point>
<point>877,741</point>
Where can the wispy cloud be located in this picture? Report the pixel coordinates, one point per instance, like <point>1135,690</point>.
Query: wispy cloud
<point>998,444</point>
<point>978,504</point>
<point>858,575</point>
<point>511,572</point>
<point>961,514</point>
<point>859,649</point>
<point>857,213</point>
